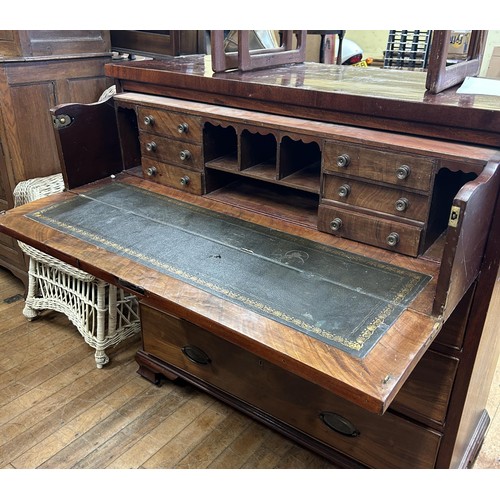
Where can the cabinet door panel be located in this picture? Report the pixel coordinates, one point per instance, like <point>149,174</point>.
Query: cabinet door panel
<point>85,90</point>
<point>35,150</point>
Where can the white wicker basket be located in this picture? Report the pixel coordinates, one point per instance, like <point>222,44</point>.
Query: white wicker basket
<point>103,314</point>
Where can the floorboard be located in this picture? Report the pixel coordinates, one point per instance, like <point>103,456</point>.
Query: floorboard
<point>58,411</point>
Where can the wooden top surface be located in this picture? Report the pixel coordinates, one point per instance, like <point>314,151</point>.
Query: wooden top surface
<point>378,98</point>
<point>371,382</point>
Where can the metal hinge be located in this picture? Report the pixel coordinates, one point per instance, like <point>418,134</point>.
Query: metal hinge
<point>454,216</point>
<point>61,121</point>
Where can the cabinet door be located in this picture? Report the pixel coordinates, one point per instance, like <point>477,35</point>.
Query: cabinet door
<point>33,150</point>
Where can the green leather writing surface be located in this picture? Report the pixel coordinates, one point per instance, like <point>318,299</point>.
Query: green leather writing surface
<point>340,298</point>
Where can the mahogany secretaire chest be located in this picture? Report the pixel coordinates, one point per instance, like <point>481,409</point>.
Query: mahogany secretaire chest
<point>316,245</point>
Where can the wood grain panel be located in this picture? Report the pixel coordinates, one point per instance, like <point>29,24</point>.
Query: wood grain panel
<point>386,441</point>
<point>169,151</point>
<point>37,153</point>
<point>370,229</point>
<point>426,394</point>
<point>170,175</point>
<point>379,165</point>
<point>373,197</point>
<point>168,123</point>
<point>371,383</point>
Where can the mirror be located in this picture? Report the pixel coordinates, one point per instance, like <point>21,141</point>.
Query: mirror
<point>440,74</point>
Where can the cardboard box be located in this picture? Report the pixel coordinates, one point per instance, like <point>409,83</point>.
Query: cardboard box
<point>313,49</point>
<point>459,44</point>
<point>493,70</point>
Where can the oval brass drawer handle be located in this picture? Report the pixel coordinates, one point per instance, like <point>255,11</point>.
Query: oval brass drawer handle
<point>151,146</point>
<point>149,120</point>
<point>339,424</point>
<point>196,355</point>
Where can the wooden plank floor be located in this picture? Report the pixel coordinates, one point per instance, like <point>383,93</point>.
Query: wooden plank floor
<point>58,411</point>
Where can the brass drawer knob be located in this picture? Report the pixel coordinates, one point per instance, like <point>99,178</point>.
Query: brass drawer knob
<point>183,128</point>
<point>343,160</point>
<point>403,172</point>
<point>185,180</point>
<point>344,190</point>
<point>151,146</point>
<point>402,204</point>
<point>336,224</point>
<point>185,154</point>
<point>152,171</point>
<point>393,239</point>
<point>149,120</point>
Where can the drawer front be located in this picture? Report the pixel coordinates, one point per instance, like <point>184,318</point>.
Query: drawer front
<point>170,124</point>
<point>426,393</point>
<point>9,242</point>
<point>393,168</point>
<point>10,254</point>
<point>387,441</point>
<point>170,175</point>
<point>166,150</point>
<point>362,194</point>
<point>383,233</point>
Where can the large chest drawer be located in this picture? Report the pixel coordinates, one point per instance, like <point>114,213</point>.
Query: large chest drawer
<point>387,441</point>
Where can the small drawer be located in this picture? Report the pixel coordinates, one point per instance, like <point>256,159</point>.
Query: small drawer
<point>170,175</point>
<point>403,170</point>
<point>363,194</point>
<point>8,242</point>
<point>170,124</point>
<point>386,441</point>
<point>391,235</point>
<point>170,151</point>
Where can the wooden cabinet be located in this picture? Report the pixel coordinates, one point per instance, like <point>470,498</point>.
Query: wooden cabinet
<point>38,70</point>
<point>159,43</point>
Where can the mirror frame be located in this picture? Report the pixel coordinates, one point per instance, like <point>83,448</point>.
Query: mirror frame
<point>440,76</point>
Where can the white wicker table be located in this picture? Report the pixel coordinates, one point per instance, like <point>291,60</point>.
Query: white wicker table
<point>103,314</point>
